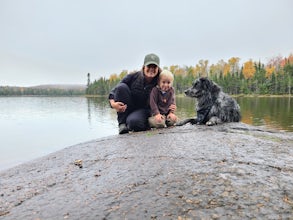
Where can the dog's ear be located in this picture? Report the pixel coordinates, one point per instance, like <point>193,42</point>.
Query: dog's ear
<point>205,83</point>
<point>215,88</point>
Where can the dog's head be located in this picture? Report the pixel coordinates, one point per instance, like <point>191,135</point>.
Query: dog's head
<point>201,87</point>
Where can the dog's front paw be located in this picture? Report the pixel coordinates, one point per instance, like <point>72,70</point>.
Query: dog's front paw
<point>214,121</point>
<point>210,123</point>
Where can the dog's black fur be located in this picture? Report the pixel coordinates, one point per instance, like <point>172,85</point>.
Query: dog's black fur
<point>213,105</point>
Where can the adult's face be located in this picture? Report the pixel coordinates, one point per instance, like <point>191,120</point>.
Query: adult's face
<point>150,71</point>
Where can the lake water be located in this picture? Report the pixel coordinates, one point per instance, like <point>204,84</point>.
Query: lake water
<point>31,127</point>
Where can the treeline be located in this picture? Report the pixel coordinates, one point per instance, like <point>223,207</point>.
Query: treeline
<point>32,91</point>
<point>252,77</point>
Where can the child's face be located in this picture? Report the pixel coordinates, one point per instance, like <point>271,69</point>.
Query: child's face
<point>165,83</point>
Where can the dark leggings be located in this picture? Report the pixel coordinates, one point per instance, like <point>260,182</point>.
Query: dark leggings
<point>135,119</point>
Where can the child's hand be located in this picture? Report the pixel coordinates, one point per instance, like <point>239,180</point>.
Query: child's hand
<point>173,107</point>
<point>158,118</point>
<point>172,117</point>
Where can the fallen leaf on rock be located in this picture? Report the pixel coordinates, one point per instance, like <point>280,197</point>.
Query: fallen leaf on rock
<point>78,163</point>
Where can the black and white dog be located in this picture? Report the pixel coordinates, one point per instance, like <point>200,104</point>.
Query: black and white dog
<point>213,105</point>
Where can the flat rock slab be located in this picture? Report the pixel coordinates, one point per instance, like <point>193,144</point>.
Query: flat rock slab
<point>230,171</point>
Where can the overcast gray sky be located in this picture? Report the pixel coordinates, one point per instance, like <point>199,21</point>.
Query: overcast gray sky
<point>60,41</point>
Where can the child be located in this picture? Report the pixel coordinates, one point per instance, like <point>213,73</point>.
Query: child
<point>161,98</point>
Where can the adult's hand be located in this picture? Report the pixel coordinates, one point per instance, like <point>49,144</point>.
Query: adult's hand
<point>118,106</point>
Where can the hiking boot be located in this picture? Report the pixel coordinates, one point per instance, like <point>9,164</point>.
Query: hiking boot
<point>123,129</point>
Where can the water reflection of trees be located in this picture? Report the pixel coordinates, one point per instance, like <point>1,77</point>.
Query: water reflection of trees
<point>273,112</point>
<point>99,106</point>
<point>185,107</point>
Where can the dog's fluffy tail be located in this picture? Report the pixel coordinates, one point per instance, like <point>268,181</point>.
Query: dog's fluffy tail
<point>185,121</point>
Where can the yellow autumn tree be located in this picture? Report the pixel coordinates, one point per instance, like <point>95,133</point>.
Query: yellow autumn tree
<point>123,74</point>
<point>226,69</point>
<point>173,68</point>
<point>177,71</point>
<point>220,68</point>
<point>113,77</point>
<point>197,70</point>
<point>248,69</point>
<point>234,64</point>
<point>290,58</point>
<point>201,69</point>
<point>214,71</point>
<point>269,71</point>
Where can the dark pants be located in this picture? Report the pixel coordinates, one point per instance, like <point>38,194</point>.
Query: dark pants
<point>136,119</point>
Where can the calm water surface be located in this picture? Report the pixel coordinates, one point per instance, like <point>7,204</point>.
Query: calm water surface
<point>35,126</point>
<point>31,127</point>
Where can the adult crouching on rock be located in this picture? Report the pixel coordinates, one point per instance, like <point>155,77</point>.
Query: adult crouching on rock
<point>130,98</point>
